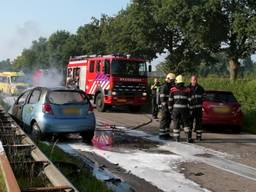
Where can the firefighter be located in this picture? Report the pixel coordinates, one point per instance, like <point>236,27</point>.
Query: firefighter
<point>154,92</point>
<point>179,103</point>
<point>77,78</point>
<point>165,112</point>
<point>70,78</point>
<point>197,92</point>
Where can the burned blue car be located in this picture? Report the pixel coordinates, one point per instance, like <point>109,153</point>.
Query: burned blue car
<point>44,111</point>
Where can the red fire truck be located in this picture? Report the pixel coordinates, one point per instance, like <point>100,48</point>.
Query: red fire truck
<point>111,80</point>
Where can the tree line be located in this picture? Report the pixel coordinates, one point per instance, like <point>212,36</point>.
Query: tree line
<point>196,35</point>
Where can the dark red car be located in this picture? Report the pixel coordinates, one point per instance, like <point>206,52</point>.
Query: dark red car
<point>222,108</point>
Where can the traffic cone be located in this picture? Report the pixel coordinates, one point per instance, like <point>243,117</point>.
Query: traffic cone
<point>103,136</point>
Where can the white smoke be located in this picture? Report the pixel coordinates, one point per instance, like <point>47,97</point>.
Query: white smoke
<point>48,78</point>
<point>13,43</point>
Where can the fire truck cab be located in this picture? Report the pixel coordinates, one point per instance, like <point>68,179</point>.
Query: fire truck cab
<point>111,80</point>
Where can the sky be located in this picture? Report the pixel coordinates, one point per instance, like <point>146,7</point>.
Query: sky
<point>23,21</point>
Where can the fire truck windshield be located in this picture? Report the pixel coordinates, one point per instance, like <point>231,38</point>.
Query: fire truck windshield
<point>128,68</point>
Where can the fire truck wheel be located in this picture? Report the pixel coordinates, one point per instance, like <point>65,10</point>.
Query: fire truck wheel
<point>134,108</point>
<point>101,107</point>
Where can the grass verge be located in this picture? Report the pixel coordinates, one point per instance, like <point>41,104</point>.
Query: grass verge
<point>73,169</point>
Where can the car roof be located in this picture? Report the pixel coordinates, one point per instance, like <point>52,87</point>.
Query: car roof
<point>12,73</point>
<point>57,88</point>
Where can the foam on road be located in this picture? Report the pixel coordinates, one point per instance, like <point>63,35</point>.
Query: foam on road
<point>161,169</point>
<point>158,169</point>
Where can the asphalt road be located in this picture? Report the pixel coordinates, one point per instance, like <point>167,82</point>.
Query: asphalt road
<point>222,161</point>
<point>227,165</point>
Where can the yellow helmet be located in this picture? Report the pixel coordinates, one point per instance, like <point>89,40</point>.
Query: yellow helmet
<point>170,76</point>
<point>179,79</point>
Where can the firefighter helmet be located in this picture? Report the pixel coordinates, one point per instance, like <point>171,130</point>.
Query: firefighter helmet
<point>170,76</point>
<point>179,79</point>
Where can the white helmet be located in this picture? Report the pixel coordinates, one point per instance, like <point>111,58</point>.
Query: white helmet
<point>179,79</point>
<point>170,76</point>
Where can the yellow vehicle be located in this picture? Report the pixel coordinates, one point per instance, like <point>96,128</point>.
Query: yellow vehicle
<point>13,83</point>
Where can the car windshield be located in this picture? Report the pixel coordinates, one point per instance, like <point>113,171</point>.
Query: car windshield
<point>66,97</point>
<point>18,79</point>
<point>220,97</point>
<point>128,68</point>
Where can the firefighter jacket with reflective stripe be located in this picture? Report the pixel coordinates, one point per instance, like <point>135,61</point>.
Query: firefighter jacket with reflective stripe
<point>179,97</point>
<point>164,94</point>
<point>197,93</point>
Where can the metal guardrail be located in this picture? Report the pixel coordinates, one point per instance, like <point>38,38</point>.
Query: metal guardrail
<point>9,178</point>
<point>24,159</point>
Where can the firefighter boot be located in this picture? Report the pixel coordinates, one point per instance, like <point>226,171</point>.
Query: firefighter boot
<point>190,140</point>
<point>199,135</point>
<point>188,134</point>
<point>176,135</point>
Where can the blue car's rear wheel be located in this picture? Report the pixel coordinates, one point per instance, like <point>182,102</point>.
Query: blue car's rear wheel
<point>87,136</point>
<point>36,133</point>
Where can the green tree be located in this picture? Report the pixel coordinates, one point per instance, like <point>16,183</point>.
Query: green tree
<point>90,36</point>
<point>34,57</point>
<point>191,31</point>
<point>135,31</point>
<point>188,30</point>
<point>241,23</point>
<point>217,65</point>
<point>25,61</point>
<point>39,48</point>
<point>246,67</point>
<point>59,50</point>
<point>5,65</point>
